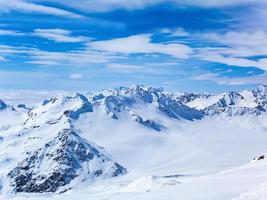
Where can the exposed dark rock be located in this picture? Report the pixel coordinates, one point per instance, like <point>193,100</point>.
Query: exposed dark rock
<point>23,106</point>
<point>148,123</point>
<point>3,105</point>
<point>61,160</point>
<point>261,157</point>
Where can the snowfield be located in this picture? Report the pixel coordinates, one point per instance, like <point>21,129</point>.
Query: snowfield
<point>134,143</point>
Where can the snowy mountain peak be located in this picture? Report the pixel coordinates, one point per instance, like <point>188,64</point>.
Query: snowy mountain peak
<point>127,99</point>
<point>59,162</point>
<point>186,97</point>
<point>141,88</point>
<point>61,99</point>
<point>262,89</point>
<point>147,93</point>
<point>260,93</point>
<point>231,103</point>
<point>51,110</point>
<point>231,98</point>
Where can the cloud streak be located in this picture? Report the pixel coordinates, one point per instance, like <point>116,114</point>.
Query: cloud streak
<point>30,7</point>
<point>76,76</point>
<point>10,33</point>
<point>82,57</point>
<point>59,35</point>
<point>235,49</point>
<point>223,80</point>
<point>104,5</point>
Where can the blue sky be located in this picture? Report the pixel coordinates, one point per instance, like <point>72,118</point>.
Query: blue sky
<point>83,45</point>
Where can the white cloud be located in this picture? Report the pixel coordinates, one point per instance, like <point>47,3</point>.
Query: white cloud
<point>217,3</point>
<point>238,44</point>
<point>44,62</point>
<point>118,66</point>
<point>6,50</point>
<point>2,58</point>
<point>235,49</point>
<point>141,44</point>
<point>71,58</point>
<point>223,80</point>
<point>82,57</point>
<point>10,33</point>
<point>223,48</point>
<point>177,32</point>
<point>13,75</point>
<point>29,7</point>
<point>76,76</point>
<point>234,61</point>
<point>59,35</point>
<point>239,38</point>
<point>125,68</point>
<point>10,50</point>
<point>108,5</point>
<point>205,77</point>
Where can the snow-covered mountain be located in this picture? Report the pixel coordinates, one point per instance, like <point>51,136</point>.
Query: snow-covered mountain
<point>53,159</point>
<point>232,103</point>
<point>126,100</point>
<point>52,110</point>
<point>61,160</point>
<point>128,140</point>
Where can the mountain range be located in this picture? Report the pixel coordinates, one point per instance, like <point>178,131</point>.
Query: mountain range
<point>68,143</point>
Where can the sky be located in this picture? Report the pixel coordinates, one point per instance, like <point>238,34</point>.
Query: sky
<point>180,45</point>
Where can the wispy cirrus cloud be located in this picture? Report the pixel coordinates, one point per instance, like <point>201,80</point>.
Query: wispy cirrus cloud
<point>10,33</point>
<point>119,66</point>
<point>81,57</point>
<point>125,68</point>
<point>32,7</point>
<point>224,80</point>
<point>241,49</point>
<point>176,32</point>
<point>7,50</point>
<point>223,48</point>
<point>216,56</point>
<point>2,58</point>
<point>76,76</point>
<point>104,5</point>
<point>59,35</point>
<point>56,35</point>
<point>241,38</point>
<point>26,75</point>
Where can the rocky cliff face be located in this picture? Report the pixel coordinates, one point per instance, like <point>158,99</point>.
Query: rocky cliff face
<point>2,105</point>
<point>61,160</point>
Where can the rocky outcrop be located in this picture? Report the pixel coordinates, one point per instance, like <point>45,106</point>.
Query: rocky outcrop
<point>2,105</point>
<point>61,160</point>
<point>148,123</point>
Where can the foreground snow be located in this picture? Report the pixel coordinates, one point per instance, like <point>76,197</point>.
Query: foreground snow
<point>247,182</point>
